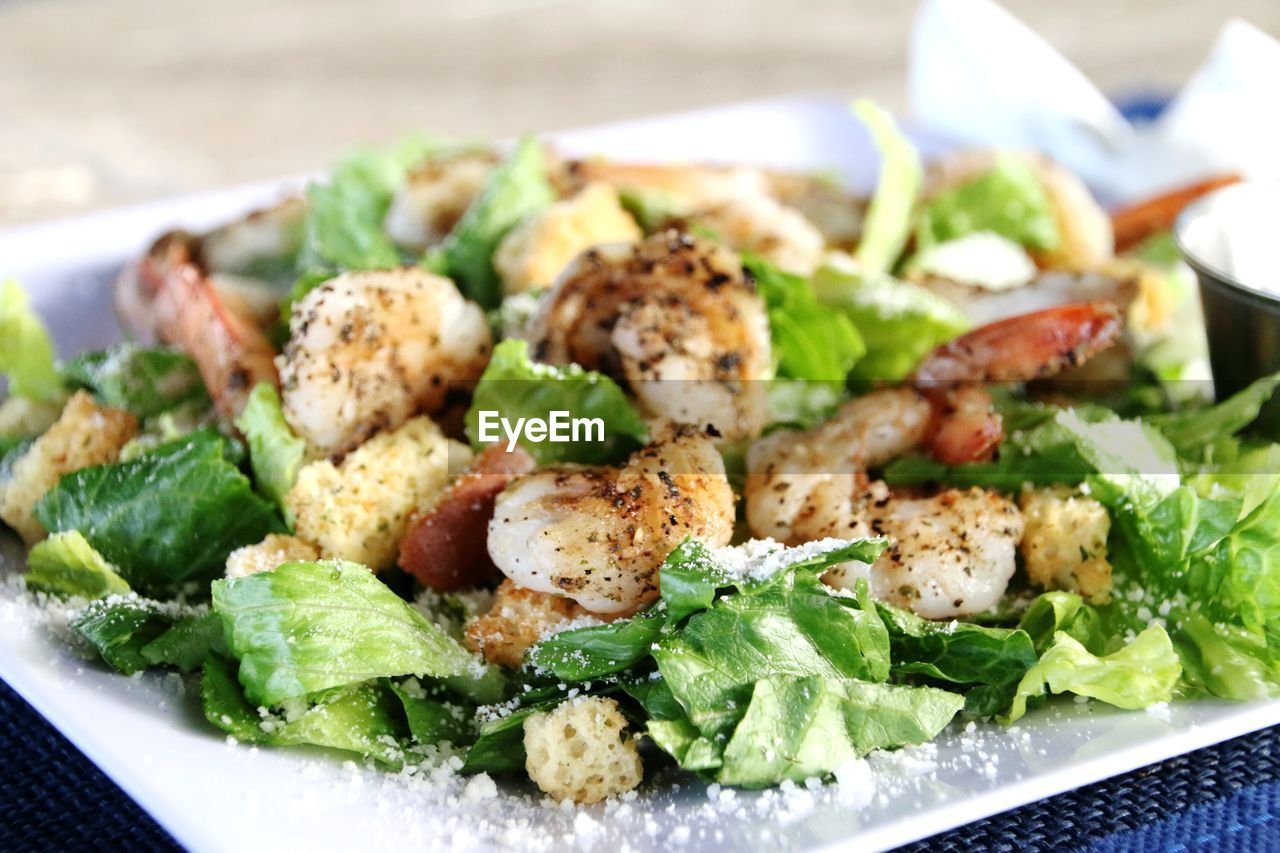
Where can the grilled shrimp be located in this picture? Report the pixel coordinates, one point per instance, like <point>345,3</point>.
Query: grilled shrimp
<point>675,319</point>
<point>433,199</point>
<point>597,535</point>
<point>952,553</point>
<point>367,350</point>
<point>169,296</point>
<point>742,206</point>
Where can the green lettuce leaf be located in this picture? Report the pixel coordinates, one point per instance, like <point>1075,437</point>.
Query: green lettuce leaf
<point>166,518</point>
<point>797,728</point>
<point>188,643</point>
<point>1064,612</point>
<point>432,719</point>
<point>118,628</point>
<point>1194,431</point>
<point>26,350</point>
<point>956,651</point>
<point>515,190</point>
<point>275,453</point>
<point>306,627</point>
<point>1142,673</point>
<point>899,322</point>
<point>689,580</point>
<point>888,222</point>
<point>146,382</point>
<point>1007,200</point>
<point>793,627</point>
<point>810,341</point>
<point>514,386</point>
<point>66,564</point>
<point>364,719</point>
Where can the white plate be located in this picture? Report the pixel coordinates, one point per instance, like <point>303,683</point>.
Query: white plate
<point>215,796</point>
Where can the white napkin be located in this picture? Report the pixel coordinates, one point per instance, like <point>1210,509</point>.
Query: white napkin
<point>980,77</point>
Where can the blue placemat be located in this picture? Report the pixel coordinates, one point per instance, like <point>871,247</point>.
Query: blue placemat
<point>1225,797</point>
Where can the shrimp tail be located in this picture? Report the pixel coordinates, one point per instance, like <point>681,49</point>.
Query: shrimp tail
<point>1026,347</point>
<point>169,297</point>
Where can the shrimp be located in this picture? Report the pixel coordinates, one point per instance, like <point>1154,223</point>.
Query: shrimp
<point>672,316</point>
<point>742,206</point>
<point>597,535</point>
<point>368,350</point>
<point>169,296</point>
<point>427,206</point>
<point>952,553</point>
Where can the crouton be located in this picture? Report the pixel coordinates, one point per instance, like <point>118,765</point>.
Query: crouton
<point>580,751</point>
<point>85,434</point>
<point>535,251</point>
<point>1065,542</point>
<point>357,510</point>
<point>277,549</point>
<point>518,619</point>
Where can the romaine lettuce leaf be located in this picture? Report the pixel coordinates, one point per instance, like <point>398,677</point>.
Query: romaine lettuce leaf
<point>1007,200</point>
<point>306,627</point>
<point>793,627</point>
<point>275,453</point>
<point>899,322</point>
<point>810,342</point>
<point>431,719</point>
<point>689,580</point>
<point>797,728</point>
<point>1142,673</point>
<point>66,564</point>
<point>1194,431</point>
<point>26,350</point>
<point>365,719</point>
<point>514,386</point>
<point>118,628</point>
<point>956,651</point>
<point>166,518</point>
<point>188,643</point>
<point>145,381</point>
<point>515,189</point>
<point>888,222</point>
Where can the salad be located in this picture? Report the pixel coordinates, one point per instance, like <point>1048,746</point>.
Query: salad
<point>577,469</point>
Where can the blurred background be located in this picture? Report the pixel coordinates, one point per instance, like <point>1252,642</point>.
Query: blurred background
<point>106,102</point>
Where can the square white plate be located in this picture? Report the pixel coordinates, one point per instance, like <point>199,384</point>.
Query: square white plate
<point>212,795</point>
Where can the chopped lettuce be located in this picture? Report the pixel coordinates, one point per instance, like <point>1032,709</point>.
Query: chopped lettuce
<point>306,627</point>
<point>26,350</point>
<point>810,342</point>
<point>515,189</point>
<point>1007,200</point>
<point>514,386</point>
<point>66,564</point>
<point>118,628</point>
<point>275,453</point>
<point>343,226</point>
<point>361,718</point>
<point>899,322</point>
<point>188,643</point>
<point>888,222</point>
<point>1194,431</point>
<point>146,381</point>
<point>957,652</point>
<point>1141,674</point>
<point>797,728</point>
<point>166,518</point>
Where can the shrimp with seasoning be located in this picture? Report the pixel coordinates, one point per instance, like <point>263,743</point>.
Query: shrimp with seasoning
<point>368,350</point>
<point>953,552</point>
<point>675,319</point>
<point>597,535</point>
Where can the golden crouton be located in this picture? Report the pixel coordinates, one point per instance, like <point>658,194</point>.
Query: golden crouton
<point>85,434</point>
<point>518,619</point>
<point>1065,542</point>
<point>535,251</point>
<point>277,549</point>
<point>580,751</point>
<point>358,510</point>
